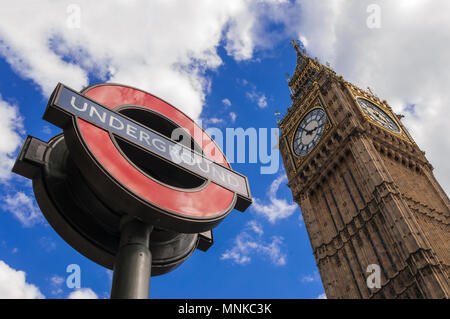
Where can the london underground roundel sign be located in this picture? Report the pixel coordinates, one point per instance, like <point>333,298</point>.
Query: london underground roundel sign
<point>121,139</point>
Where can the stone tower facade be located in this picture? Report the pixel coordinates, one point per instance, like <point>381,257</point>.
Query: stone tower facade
<point>370,202</point>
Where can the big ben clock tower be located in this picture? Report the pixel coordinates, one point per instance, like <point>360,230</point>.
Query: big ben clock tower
<point>369,199</point>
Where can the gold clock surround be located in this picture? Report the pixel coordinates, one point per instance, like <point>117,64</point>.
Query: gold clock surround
<point>389,114</point>
<point>358,93</point>
<point>315,103</point>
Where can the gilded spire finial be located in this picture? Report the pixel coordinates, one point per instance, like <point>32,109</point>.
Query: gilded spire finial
<point>299,47</point>
<point>369,89</point>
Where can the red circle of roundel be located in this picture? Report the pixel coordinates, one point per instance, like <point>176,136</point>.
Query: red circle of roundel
<point>208,202</point>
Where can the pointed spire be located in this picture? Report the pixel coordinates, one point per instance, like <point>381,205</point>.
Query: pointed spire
<point>369,89</point>
<point>299,48</point>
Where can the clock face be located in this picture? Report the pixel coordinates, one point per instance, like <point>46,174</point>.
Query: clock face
<point>378,115</point>
<point>309,132</point>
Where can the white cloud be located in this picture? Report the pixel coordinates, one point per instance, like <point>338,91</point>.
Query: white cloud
<point>13,284</point>
<point>253,94</point>
<point>322,296</point>
<point>277,208</point>
<point>226,102</point>
<point>258,97</point>
<point>11,129</point>
<point>304,41</point>
<point>233,116</point>
<point>164,47</point>
<point>247,29</point>
<point>262,101</point>
<point>56,283</point>
<point>46,130</point>
<point>245,245</point>
<point>47,244</point>
<point>56,280</point>
<point>214,120</point>
<point>238,254</point>
<point>23,207</point>
<point>109,273</point>
<point>310,278</point>
<point>83,293</point>
<point>256,227</point>
<point>405,61</point>
<point>307,278</point>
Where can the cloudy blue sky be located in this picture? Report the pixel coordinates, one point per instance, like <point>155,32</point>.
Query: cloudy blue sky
<point>223,63</point>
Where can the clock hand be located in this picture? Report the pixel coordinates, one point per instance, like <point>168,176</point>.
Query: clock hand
<point>381,117</point>
<point>302,129</point>
<point>314,129</point>
<point>309,132</point>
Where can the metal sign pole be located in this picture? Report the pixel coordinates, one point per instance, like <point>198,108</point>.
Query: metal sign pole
<point>132,267</point>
